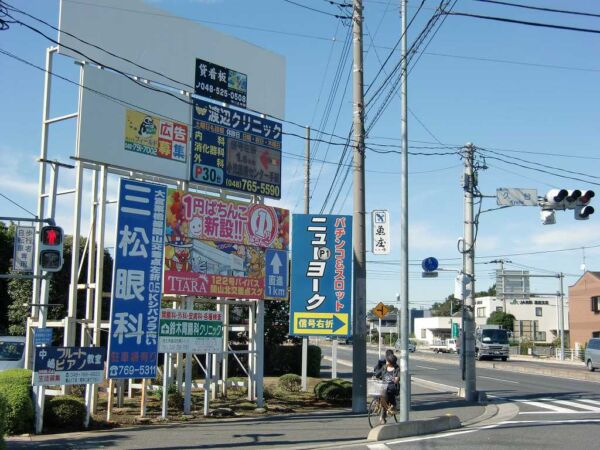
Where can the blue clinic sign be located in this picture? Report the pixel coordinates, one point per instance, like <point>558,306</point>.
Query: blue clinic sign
<point>235,150</point>
<point>68,365</point>
<point>42,336</point>
<point>137,280</point>
<point>276,279</point>
<point>321,291</point>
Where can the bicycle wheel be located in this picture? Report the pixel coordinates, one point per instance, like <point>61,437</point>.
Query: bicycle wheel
<point>374,412</point>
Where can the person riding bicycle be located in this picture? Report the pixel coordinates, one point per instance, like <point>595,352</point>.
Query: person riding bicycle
<point>381,363</point>
<point>390,374</point>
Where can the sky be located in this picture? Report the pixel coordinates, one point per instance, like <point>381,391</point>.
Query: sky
<point>514,91</point>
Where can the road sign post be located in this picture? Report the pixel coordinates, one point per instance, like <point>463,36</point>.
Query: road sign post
<point>381,310</point>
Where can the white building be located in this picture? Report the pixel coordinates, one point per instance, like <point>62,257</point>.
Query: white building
<point>536,318</point>
<point>429,330</point>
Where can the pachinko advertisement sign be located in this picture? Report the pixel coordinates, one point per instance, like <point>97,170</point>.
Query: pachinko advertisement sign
<point>217,247</point>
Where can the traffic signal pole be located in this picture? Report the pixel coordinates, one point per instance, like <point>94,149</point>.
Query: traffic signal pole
<point>468,251</point>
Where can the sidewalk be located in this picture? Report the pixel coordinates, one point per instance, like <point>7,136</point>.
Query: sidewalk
<point>327,428</point>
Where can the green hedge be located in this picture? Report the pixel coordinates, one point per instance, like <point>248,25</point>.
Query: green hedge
<point>290,382</point>
<point>284,359</point>
<point>334,390</point>
<point>3,412</point>
<point>65,412</point>
<point>15,386</point>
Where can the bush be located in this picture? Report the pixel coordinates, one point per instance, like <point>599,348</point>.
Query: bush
<point>3,412</point>
<point>290,382</point>
<point>334,390</point>
<point>15,387</point>
<point>284,359</point>
<point>65,412</point>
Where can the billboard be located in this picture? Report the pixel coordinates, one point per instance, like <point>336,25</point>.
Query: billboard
<point>236,150</point>
<point>321,290</point>
<point>217,247</point>
<point>189,331</point>
<point>220,83</point>
<point>125,125</point>
<point>68,365</point>
<point>137,280</point>
<point>164,48</point>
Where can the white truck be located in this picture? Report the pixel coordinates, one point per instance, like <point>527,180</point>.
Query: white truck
<point>444,346</point>
<point>491,342</point>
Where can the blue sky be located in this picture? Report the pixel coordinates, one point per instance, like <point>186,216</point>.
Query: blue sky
<point>505,87</point>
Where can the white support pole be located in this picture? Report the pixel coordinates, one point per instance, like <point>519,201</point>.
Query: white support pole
<point>379,339</point>
<point>215,372</point>
<point>305,363</point>
<point>225,362</point>
<point>207,383</point>
<point>69,337</point>
<point>251,350</point>
<point>187,397</point>
<point>165,389</point>
<point>260,352</point>
<point>334,348</point>
<point>101,227</point>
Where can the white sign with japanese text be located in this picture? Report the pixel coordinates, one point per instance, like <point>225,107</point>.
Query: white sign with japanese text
<point>24,249</point>
<point>380,220</point>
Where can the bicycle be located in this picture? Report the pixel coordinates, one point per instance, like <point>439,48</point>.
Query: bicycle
<point>377,389</point>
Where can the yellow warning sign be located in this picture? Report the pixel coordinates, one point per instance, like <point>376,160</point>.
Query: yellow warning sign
<point>381,310</point>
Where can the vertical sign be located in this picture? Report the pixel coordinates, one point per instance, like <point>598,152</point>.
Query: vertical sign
<point>321,299</point>
<point>381,232</point>
<point>24,246</point>
<point>276,277</point>
<point>137,280</point>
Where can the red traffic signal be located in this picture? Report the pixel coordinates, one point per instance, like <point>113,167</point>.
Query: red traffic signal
<point>52,235</point>
<point>51,248</point>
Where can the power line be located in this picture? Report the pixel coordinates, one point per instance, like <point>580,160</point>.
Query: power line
<point>19,206</point>
<point>522,22</point>
<point>539,8</point>
<point>337,16</point>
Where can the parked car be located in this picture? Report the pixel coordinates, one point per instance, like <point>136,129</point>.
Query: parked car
<point>411,346</point>
<point>592,354</point>
<point>12,352</point>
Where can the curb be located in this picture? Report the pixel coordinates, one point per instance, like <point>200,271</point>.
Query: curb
<point>414,428</point>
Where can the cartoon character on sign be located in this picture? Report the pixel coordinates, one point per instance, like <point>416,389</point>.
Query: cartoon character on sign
<point>147,127</point>
<point>195,228</point>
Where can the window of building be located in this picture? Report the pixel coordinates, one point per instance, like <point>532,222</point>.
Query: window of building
<point>480,312</point>
<point>596,304</point>
<point>596,334</point>
<point>538,311</point>
<point>498,308</point>
<point>423,333</point>
<point>540,335</point>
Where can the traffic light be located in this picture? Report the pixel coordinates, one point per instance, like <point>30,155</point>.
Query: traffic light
<point>51,248</point>
<point>582,209</point>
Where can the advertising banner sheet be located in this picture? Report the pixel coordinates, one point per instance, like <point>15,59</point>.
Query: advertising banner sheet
<point>137,280</point>
<point>236,150</point>
<point>321,291</point>
<point>188,331</point>
<point>68,365</point>
<point>217,247</point>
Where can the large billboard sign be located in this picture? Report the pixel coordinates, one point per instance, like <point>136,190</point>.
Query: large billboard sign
<point>152,44</point>
<point>217,247</point>
<point>189,331</point>
<point>68,365</point>
<point>137,280</point>
<point>127,126</point>
<point>220,83</point>
<point>321,290</point>
<point>236,150</point>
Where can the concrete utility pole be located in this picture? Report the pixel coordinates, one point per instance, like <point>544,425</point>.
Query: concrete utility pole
<point>359,316</point>
<point>404,374</point>
<point>306,211</point>
<point>468,250</point>
<point>561,317</point>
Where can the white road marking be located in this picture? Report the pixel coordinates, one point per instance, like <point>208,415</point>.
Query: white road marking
<point>593,402</point>
<point>378,447</point>
<point>516,422</point>
<point>426,367</point>
<point>499,379</point>
<point>569,411</point>
<point>541,405</point>
<point>572,404</point>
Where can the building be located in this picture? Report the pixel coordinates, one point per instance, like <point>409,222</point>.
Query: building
<point>388,323</point>
<point>536,318</point>
<point>584,308</point>
<point>429,330</point>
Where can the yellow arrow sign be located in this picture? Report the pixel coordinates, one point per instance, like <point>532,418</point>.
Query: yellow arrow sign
<point>309,324</point>
<point>381,310</point>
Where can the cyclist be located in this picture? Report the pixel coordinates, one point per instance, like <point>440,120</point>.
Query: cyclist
<point>390,373</point>
<point>381,363</point>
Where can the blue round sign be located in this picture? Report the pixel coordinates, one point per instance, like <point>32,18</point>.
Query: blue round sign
<point>430,264</point>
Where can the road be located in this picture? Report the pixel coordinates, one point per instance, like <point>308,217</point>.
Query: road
<point>553,412</point>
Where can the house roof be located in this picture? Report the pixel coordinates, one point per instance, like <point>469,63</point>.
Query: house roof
<point>592,273</point>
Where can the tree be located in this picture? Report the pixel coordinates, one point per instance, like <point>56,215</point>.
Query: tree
<point>443,309</point>
<point>501,318</point>
<point>491,292</point>
<point>7,234</point>
<point>277,320</point>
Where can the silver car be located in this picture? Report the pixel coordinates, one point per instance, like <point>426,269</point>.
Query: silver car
<point>592,354</point>
<point>411,346</point>
<point>12,352</point>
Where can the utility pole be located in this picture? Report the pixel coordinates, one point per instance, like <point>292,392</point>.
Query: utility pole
<point>404,374</point>
<point>561,317</point>
<point>359,318</point>
<point>306,211</point>
<point>468,250</point>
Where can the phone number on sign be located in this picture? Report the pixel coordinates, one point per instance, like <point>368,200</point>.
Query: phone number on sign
<point>234,96</point>
<point>140,371</point>
<point>260,188</point>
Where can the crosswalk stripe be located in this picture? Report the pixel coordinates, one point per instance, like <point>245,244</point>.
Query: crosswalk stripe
<point>545,406</point>
<point>593,402</point>
<point>574,404</point>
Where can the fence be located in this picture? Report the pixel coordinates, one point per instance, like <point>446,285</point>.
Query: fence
<point>571,354</point>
